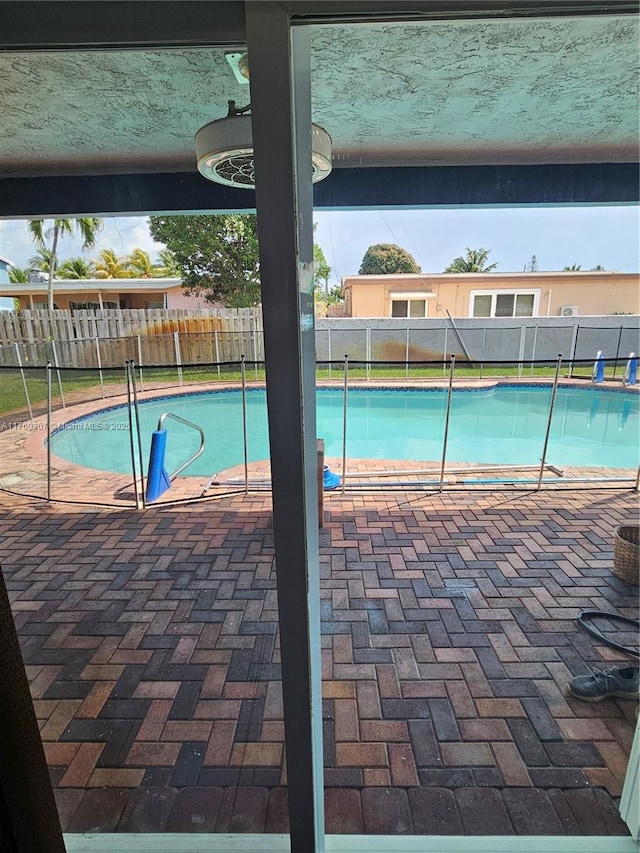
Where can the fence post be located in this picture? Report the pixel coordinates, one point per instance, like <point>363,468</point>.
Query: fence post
<point>446,422</point>
<point>444,354</point>
<point>546,437</point>
<point>215,334</point>
<point>368,351</point>
<point>523,336</point>
<point>139,434</point>
<point>129,370</point>
<point>344,419</point>
<point>55,361</point>
<point>140,361</point>
<point>329,346</point>
<point>176,346</point>
<point>99,363</point>
<point>406,356</point>
<point>533,349</point>
<point>255,353</point>
<point>615,364</point>
<point>24,381</point>
<point>574,348</point>
<point>484,341</point>
<point>243,371</point>
<point>49,431</point>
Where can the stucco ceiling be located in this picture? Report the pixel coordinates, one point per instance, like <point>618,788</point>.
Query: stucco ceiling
<point>495,91</point>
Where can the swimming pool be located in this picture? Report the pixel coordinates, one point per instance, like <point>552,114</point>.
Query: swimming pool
<point>497,425</point>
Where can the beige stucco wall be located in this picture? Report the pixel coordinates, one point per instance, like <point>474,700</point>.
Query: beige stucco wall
<point>178,298</point>
<point>594,293</point>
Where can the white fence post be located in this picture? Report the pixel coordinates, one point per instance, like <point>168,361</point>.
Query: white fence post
<point>24,381</point>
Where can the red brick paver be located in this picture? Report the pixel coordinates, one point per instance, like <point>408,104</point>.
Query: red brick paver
<point>151,644</point>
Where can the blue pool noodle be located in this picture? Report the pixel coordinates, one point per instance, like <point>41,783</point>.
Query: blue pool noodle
<point>157,478</point>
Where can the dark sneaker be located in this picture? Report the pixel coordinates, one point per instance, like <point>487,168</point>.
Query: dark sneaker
<point>619,682</point>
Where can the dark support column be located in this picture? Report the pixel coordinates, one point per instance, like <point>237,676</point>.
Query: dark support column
<point>28,816</point>
<point>281,118</point>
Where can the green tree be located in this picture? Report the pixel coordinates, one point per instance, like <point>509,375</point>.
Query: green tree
<point>139,264</point>
<point>474,260</point>
<point>321,270</point>
<point>597,268</point>
<point>387,259</point>
<point>168,266</point>
<point>18,275</point>
<point>572,268</point>
<point>74,268</point>
<point>42,260</point>
<point>109,265</point>
<point>88,227</point>
<point>217,255</point>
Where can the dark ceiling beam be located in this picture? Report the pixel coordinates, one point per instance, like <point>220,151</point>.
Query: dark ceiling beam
<point>325,11</point>
<point>402,187</point>
<point>29,25</point>
<point>78,25</point>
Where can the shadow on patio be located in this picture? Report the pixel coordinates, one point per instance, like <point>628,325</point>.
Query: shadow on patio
<point>449,636</point>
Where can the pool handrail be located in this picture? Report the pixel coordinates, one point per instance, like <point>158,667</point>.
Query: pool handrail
<point>195,426</point>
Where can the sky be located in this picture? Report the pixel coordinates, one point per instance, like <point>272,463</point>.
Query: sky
<point>557,236</point>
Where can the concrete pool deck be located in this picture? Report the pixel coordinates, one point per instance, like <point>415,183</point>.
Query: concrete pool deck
<point>449,635</point>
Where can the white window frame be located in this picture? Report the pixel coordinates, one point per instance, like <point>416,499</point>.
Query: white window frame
<point>412,296</point>
<point>515,292</point>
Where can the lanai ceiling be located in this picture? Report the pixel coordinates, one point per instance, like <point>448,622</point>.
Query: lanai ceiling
<point>526,91</point>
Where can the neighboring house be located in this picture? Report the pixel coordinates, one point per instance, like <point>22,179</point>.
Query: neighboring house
<point>99,293</point>
<point>4,269</point>
<point>525,294</point>
<point>5,263</point>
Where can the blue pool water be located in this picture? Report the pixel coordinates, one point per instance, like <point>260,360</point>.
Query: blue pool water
<point>503,424</point>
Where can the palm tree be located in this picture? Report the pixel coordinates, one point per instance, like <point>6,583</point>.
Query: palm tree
<point>572,268</point>
<point>168,264</point>
<point>474,260</point>
<point>140,265</point>
<point>42,260</point>
<point>87,226</point>
<point>597,268</point>
<point>74,268</point>
<point>109,265</point>
<point>17,275</point>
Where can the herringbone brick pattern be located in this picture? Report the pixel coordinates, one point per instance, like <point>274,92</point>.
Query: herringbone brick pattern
<point>449,635</point>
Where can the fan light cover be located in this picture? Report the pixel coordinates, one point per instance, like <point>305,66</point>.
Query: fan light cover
<point>224,149</point>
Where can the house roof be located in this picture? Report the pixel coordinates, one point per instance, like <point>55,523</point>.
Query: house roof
<point>487,278</point>
<point>93,285</point>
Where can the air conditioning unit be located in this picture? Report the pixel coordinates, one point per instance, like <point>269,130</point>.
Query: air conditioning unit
<point>569,311</point>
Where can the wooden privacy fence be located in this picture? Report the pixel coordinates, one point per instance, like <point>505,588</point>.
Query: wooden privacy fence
<point>35,326</point>
<point>150,337</point>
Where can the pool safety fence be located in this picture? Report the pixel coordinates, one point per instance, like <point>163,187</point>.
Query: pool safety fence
<point>170,344</point>
<point>36,402</point>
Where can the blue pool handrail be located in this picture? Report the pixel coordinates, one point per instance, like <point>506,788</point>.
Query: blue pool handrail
<point>158,481</point>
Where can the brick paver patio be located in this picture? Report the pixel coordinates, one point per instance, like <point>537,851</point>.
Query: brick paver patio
<point>449,635</point>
